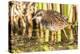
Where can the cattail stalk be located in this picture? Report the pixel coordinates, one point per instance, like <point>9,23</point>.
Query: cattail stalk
<point>29,20</point>
<point>64,11</point>
<point>37,25</point>
<point>75,23</point>
<point>70,14</point>
<point>41,27</point>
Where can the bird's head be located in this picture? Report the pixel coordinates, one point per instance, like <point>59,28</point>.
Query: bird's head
<point>39,15</point>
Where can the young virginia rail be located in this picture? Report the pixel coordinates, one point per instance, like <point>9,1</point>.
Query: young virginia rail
<point>50,19</point>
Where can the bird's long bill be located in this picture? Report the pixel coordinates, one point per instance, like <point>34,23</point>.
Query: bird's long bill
<point>38,19</point>
<point>33,18</point>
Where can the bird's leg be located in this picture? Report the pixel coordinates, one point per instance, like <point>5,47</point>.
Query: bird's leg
<point>65,34</point>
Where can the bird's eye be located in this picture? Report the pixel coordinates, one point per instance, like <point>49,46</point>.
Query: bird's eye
<point>39,15</point>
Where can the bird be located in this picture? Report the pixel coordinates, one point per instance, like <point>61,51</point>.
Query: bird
<point>51,20</point>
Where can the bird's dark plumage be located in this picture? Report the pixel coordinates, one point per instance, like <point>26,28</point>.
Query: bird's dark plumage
<point>51,19</point>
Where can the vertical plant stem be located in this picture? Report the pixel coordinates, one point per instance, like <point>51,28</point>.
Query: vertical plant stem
<point>70,13</point>
<point>30,28</point>
<point>37,25</point>
<point>64,11</point>
<point>75,23</point>
<point>30,22</point>
<point>41,28</point>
